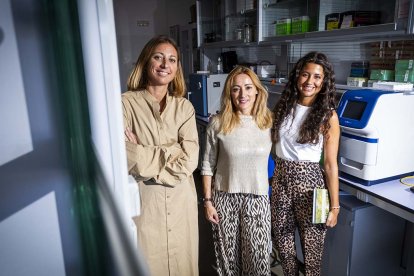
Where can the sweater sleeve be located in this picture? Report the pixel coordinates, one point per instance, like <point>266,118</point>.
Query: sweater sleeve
<point>211,149</point>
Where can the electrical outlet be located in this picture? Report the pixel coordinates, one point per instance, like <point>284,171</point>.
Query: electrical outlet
<point>142,23</point>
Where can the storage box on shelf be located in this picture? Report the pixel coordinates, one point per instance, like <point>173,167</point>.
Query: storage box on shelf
<point>283,26</point>
<point>332,21</point>
<point>226,33</point>
<point>404,70</point>
<point>218,19</point>
<point>372,17</point>
<point>387,63</point>
<point>300,24</point>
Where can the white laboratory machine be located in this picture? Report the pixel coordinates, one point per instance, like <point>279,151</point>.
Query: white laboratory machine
<point>377,135</point>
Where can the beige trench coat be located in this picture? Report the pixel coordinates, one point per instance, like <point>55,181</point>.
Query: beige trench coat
<point>163,165</point>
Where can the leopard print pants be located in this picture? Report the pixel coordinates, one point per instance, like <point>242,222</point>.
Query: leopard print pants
<point>242,240</point>
<point>291,208</point>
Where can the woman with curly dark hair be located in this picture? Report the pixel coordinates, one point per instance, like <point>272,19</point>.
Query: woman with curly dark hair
<point>305,132</point>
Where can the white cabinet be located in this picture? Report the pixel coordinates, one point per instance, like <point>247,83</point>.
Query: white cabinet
<point>225,21</point>
<point>366,241</point>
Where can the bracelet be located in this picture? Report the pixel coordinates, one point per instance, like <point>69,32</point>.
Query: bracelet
<point>206,199</point>
<point>336,207</point>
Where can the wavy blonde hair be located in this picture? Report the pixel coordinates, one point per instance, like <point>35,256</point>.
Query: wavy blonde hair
<point>229,117</point>
<point>138,79</point>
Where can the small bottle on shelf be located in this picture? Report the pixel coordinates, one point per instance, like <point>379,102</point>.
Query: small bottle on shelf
<point>219,66</point>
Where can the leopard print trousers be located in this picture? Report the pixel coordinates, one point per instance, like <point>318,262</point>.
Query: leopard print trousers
<point>291,209</point>
<point>242,241</point>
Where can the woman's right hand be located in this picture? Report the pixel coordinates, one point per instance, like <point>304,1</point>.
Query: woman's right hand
<point>211,212</point>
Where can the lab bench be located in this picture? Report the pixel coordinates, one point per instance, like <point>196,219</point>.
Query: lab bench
<point>392,209</point>
<point>391,196</point>
<point>366,241</point>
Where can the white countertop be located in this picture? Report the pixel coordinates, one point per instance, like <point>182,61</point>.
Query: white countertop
<point>392,196</point>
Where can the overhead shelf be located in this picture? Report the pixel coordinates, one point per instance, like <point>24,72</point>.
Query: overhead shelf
<point>379,31</point>
<point>363,32</point>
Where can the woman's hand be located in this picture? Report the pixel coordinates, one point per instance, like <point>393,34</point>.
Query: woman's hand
<point>332,218</point>
<point>211,212</point>
<point>131,137</point>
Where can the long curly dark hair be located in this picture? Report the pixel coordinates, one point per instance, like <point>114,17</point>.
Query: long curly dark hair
<point>317,121</point>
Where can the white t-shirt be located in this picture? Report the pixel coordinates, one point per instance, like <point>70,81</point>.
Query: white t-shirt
<point>287,148</point>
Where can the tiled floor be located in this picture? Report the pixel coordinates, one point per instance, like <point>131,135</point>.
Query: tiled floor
<point>206,251</point>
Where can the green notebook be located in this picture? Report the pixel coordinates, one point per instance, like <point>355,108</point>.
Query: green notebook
<point>320,209</point>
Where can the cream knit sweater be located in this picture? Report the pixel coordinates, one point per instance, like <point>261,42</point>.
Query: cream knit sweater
<point>239,159</point>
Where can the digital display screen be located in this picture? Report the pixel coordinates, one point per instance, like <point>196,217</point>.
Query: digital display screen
<point>354,110</point>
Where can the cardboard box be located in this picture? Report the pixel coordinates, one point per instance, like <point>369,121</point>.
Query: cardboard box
<point>385,75</point>
<point>404,76</point>
<point>351,19</point>
<point>332,21</point>
<point>300,24</point>
<point>404,64</point>
<point>283,26</point>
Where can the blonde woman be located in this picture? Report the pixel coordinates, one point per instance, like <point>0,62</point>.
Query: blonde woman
<point>238,145</point>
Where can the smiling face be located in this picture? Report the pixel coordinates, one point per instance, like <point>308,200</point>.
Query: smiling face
<point>243,94</point>
<point>163,65</point>
<point>310,83</point>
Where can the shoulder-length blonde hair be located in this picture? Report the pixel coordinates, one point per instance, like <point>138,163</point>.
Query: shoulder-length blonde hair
<point>229,117</point>
<point>138,79</point>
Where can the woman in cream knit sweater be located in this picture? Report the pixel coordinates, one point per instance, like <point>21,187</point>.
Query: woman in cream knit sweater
<point>238,145</point>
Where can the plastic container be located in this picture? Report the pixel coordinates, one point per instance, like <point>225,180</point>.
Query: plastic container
<point>248,33</point>
<point>219,66</point>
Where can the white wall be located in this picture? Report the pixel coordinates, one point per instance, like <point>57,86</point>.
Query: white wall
<point>179,12</point>
<point>16,136</point>
<point>160,14</point>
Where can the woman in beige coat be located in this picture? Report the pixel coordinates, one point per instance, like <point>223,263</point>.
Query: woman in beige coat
<point>162,150</point>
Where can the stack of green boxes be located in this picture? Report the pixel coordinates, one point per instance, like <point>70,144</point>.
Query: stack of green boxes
<point>300,24</point>
<point>404,70</point>
<point>382,74</point>
<point>283,26</point>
